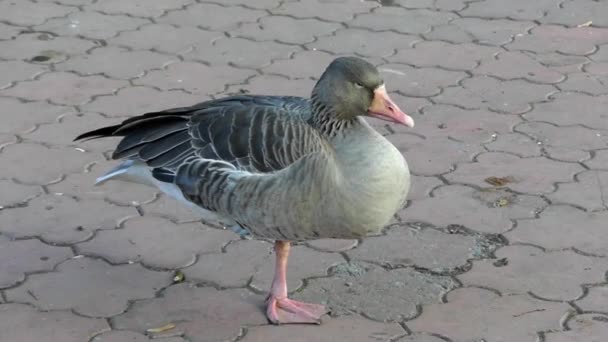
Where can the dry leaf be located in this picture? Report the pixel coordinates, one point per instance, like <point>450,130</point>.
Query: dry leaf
<point>503,202</point>
<point>587,24</point>
<point>161,329</point>
<point>498,181</point>
<point>501,262</point>
<point>179,277</point>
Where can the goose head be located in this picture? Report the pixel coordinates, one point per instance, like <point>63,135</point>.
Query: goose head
<point>351,87</point>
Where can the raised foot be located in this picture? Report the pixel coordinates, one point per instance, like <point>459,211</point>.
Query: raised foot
<point>288,311</point>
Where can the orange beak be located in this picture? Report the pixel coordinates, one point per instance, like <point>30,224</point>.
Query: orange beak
<point>385,109</point>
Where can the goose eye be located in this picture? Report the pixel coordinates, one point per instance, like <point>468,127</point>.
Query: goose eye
<point>358,85</point>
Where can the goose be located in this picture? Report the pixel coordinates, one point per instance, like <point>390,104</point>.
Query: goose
<point>281,168</point>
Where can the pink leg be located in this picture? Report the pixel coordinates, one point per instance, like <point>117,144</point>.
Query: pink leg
<point>280,309</point>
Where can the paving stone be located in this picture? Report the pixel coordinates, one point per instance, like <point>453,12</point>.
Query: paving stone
<point>261,4</point>
<point>512,65</point>
<point>565,64</point>
<point>523,172</point>
<point>240,52</point>
<point>93,25</point>
<point>52,133</point>
<point>347,291</point>
<point>401,20</point>
<point>575,13</point>
<point>339,11</point>
<point>131,336</point>
<point>555,226</point>
<point>450,56</point>
<point>515,9</point>
<point>253,261</point>
<point>429,249</point>
<point>332,245</point>
<point>513,96</point>
<point>212,16</point>
<point>559,111</point>
<point>516,206</point>
<point>469,126</point>
<point>552,137</point>
<point>285,29</point>
<point>481,30</point>
<point>23,163</point>
<point>351,328</point>
<point>549,275</point>
<point>139,8</point>
<point>305,64</point>
<point>82,186</point>
<point>600,69</point>
<point>188,76</point>
<point>26,13</point>
<point>8,32</point>
<point>570,41</point>
<point>274,85</point>
<point>167,207</point>
<point>421,187</point>
<point>7,139</point>
<point>567,154</point>
<point>599,161</point>
<point>487,211</point>
<point>584,328</point>
<point>201,313</point>
<point>139,100</point>
<point>19,322</point>
<point>421,338</point>
<point>363,42</point>
<point>601,55</point>
<point>43,46</point>
<point>14,193</point>
<point>446,5</point>
<point>165,38</point>
<point>62,220</point>
<point>515,143</point>
<point>595,300</point>
<point>68,2</point>
<point>474,314</point>
<point>21,117</point>
<point>150,239</point>
<point>587,83</point>
<point>563,69</point>
<point>64,88</point>
<point>13,71</point>
<point>59,134</point>
<point>116,62</point>
<point>419,82</point>
<point>94,289</point>
<point>433,156</point>
<point>24,256</point>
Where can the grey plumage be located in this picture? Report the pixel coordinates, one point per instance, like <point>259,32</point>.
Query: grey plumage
<point>282,167</point>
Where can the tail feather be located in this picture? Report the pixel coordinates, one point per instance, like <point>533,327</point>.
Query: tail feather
<point>130,125</point>
<point>98,133</point>
<point>152,132</point>
<point>115,172</point>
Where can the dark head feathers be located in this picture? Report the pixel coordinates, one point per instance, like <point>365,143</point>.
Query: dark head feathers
<point>346,88</point>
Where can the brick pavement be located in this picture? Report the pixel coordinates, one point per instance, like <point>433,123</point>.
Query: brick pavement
<point>504,237</point>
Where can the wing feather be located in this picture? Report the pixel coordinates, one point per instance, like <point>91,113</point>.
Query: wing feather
<point>253,133</point>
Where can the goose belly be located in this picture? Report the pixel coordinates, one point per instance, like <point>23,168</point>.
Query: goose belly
<point>353,209</point>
